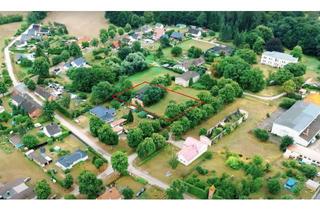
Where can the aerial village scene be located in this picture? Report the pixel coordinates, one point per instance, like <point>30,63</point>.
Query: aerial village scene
<point>159,105</point>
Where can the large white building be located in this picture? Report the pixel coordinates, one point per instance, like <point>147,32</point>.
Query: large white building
<point>301,122</point>
<point>303,154</point>
<point>277,59</point>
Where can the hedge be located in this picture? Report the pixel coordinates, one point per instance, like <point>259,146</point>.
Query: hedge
<point>10,19</point>
<point>196,191</point>
<point>63,111</point>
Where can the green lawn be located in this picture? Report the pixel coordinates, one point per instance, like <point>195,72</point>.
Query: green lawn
<point>158,166</point>
<point>150,193</point>
<point>185,45</point>
<point>150,74</point>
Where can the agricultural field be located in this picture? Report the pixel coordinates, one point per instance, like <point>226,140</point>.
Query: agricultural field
<point>79,23</point>
<point>6,32</point>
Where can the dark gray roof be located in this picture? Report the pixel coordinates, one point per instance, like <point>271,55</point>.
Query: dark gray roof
<point>299,116</point>
<point>42,92</point>
<point>26,103</point>
<point>68,160</point>
<point>280,55</point>
<point>18,98</point>
<point>39,157</point>
<point>226,50</point>
<point>16,189</point>
<point>193,31</point>
<point>188,75</point>
<point>53,129</point>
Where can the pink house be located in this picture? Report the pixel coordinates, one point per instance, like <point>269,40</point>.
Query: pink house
<point>191,150</point>
<point>158,33</point>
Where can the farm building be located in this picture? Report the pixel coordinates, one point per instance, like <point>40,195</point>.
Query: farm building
<point>302,154</point>
<point>301,122</point>
<point>17,189</point>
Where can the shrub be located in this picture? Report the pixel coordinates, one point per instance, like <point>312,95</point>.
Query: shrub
<point>173,162</point>
<point>285,142</point>
<point>274,186</point>
<point>234,162</point>
<point>286,103</point>
<point>201,170</point>
<point>142,114</point>
<point>127,193</point>
<point>261,134</point>
<point>207,155</point>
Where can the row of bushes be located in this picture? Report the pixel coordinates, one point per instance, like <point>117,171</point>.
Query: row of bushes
<point>196,191</point>
<point>10,19</point>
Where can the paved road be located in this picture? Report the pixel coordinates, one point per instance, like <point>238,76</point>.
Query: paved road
<point>266,98</point>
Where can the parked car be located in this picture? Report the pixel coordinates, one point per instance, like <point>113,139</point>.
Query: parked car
<point>140,192</point>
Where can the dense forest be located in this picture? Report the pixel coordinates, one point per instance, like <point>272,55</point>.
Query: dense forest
<point>292,28</point>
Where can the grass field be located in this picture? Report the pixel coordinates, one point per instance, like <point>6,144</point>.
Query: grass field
<point>80,23</point>
<point>185,45</point>
<point>150,74</point>
<point>16,165</point>
<point>159,166</point>
<point>150,193</point>
<point>6,31</point>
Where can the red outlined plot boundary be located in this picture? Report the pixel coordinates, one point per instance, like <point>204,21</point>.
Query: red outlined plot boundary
<point>117,95</point>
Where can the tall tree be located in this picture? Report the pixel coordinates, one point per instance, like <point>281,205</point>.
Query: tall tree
<point>89,185</point>
<point>42,189</point>
<point>119,161</point>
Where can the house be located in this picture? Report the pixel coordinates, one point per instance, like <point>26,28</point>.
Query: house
<point>39,157</point>
<point>15,140</point>
<point>184,78</point>
<point>68,161</point>
<point>118,130</point>
<point>44,94</point>
<point>116,44</point>
<point>277,59</point>
<point>191,150</point>
<point>103,113</point>
<point>52,130</point>
<point>198,61</point>
<point>20,56</point>
<point>195,32</point>
<point>138,99</point>
<point>83,39</point>
<point>312,185</point>
<point>146,29</point>
<point>301,122</point>
<point>27,104</point>
<point>302,154</point>
<point>158,25</point>
<point>158,33</point>
<point>119,122</point>
<point>177,35</point>
<point>290,184</point>
<point>17,189</point>
<point>110,194</point>
<point>220,49</point>
<point>179,25</point>
<point>76,63</point>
